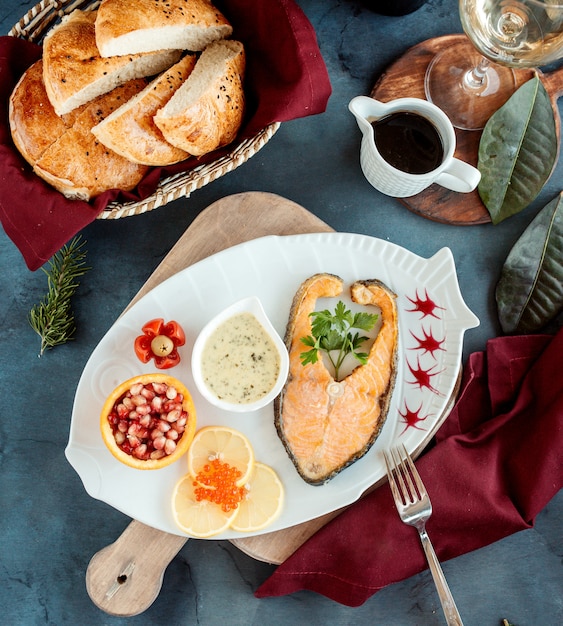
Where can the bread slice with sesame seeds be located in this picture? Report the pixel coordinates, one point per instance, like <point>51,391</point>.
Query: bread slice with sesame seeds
<point>130,130</point>
<point>78,165</point>
<point>207,110</point>
<point>73,71</point>
<point>131,26</point>
<point>34,125</point>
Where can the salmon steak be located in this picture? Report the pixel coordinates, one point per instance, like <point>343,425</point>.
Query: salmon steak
<point>326,424</point>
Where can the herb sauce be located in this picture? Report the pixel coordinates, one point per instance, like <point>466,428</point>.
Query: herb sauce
<point>240,362</point>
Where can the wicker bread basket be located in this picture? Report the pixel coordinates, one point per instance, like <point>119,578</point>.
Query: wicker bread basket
<point>35,24</point>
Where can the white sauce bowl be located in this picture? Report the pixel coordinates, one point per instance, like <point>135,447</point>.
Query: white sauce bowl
<point>247,305</point>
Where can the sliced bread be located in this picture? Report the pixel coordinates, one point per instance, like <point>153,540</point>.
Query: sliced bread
<point>130,130</point>
<point>78,165</point>
<point>73,71</point>
<point>206,112</point>
<point>34,125</point>
<point>131,26</point>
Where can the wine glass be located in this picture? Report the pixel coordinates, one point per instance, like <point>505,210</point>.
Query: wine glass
<point>470,80</point>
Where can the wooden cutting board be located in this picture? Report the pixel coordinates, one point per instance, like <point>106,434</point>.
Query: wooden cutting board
<point>405,78</point>
<point>125,577</point>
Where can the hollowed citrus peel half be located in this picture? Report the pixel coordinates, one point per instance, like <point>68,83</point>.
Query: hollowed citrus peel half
<point>148,421</point>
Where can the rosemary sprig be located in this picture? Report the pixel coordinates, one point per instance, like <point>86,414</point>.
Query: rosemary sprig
<point>52,319</point>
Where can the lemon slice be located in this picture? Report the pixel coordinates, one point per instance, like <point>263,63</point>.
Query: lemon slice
<point>224,443</point>
<point>263,502</point>
<point>198,519</point>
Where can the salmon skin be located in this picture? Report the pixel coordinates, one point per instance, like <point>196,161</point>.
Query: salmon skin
<point>326,425</point>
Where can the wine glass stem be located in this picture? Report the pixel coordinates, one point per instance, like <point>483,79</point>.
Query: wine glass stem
<point>475,78</point>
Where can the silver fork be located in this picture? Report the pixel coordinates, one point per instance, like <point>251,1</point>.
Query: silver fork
<point>414,507</point>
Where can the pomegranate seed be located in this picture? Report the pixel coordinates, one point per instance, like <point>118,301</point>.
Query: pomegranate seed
<point>136,389</point>
<point>127,402</point>
<point>172,416</point>
<point>144,409</point>
<point>147,393</point>
<point>156,404</point>
<point>138,400</point>
<point>141,451</point>
<point>169,405</point>
<point>160,388</point>
<point>134,441</point>
<point>159,443</point>
<point>169,446</point>
<point>178,429</point>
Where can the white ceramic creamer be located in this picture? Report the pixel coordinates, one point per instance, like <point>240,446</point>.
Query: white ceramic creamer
<point>450,173</point>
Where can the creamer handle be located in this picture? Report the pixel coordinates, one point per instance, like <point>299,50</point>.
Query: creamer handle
<point>459,176</point>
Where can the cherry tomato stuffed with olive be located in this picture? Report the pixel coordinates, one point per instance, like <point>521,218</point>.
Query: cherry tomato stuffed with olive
<point>160,341</point>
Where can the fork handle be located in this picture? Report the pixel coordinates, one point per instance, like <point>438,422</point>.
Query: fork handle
<point>448,604</point>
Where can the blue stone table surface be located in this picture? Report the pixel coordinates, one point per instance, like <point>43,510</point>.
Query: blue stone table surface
<point>50,527</point>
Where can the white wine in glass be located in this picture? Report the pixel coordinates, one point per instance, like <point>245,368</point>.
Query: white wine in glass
<point>472,79</point>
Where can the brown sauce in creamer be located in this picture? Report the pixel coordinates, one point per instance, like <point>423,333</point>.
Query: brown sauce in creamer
<point>409,142</point>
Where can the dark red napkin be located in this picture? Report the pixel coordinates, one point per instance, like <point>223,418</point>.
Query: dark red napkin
<point>496,463</point>
<point>286,79</point>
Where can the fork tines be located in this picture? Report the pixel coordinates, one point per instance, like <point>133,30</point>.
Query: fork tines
<point>401,471</point>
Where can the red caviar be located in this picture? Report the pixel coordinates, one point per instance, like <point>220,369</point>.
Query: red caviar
<point>217,482</point>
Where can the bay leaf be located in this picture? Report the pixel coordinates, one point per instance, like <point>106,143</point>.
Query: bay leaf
<point>529,293</point>
<point>517,151</point>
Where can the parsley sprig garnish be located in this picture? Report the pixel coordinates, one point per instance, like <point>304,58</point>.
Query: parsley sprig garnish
<point>332,333</point>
